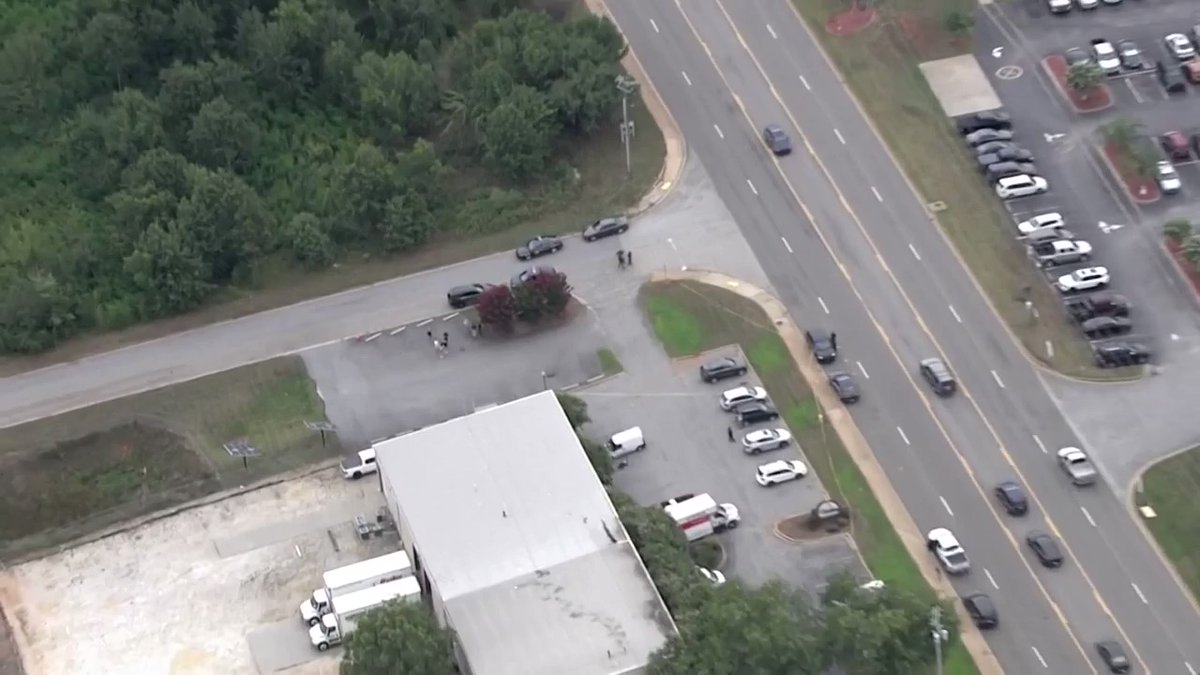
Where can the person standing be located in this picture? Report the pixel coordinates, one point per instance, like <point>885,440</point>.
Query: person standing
<point>729,430</point>
<point>629,258</point>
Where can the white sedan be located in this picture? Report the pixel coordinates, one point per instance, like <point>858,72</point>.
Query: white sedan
<point>763,440</point>
<point>1045,221</point>
<point>781,471</point>
<point>1106,56</point>
<point>714,577</point>
<point>1168,178</point>
<point>732,398</point>
<point>1086,279</point>
<point>1180,46</point>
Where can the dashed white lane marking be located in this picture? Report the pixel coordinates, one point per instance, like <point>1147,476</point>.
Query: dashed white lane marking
<point>823,306</point>
<point>955,313</point>
<point>1190,669</point>
<point>450,316</point>
<point>805,83</point>
<point>913,249</point>
<point>752,188</point>
<point>996,377</point>
<point>373,336</point>
<point>772,32</point>
<point>1039,657</point>
<point>654,25</point>
<point>786,244</point>
<point>719,132</point>
<point>426,322</point>
<point>866,375</point>
<point>1140,595</point>
<point>1091,521</point>
<point>876,193</point>
<point>397,331</point>
<point>991,579</point>
<point>686,78</point>
<point>947,505</point>
<point>1041,446</point>
<point>903,436</point>
<point>839,136</point>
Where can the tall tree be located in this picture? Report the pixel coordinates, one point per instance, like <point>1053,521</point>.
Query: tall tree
<point>192,32</point>
<point>399,638</point>
<point>365,186</point>
<point>398,96</point>
<point>166,271</point>
<point>35,311</point>
<point>223,137</point>
<point>28,89</point>
<point>517,136</point>
<point>308,238</point>
<point>403,24</point>
<point>226,220</point>
<point>109,50</point>
<point>407,221</point>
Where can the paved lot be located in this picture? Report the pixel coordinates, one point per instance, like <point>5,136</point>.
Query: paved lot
<point>215,589</point>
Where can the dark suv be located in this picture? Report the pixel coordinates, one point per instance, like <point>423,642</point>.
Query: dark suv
<point>1106,326</point>
<point>982,610</point>
<point>461,296</point>
<point>754,412</point>
<point>1104,303</point>
<point>1012,498</point>
<point>722,368</point>
<point>938,376</point>
<point>823,345</point>
<point>1118,354</point>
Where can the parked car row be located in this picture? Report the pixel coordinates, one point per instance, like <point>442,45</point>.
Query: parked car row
<point>1008,167</point>
<point>1064,6</point>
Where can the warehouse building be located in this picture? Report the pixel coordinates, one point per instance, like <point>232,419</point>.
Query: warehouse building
<point>518,547</point>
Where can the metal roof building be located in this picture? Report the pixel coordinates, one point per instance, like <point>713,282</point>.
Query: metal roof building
<point>518,547</point>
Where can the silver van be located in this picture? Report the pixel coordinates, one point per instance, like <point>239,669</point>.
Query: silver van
<point>625,442</point>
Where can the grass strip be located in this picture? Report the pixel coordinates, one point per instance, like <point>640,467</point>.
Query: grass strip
<point>1170,488</point>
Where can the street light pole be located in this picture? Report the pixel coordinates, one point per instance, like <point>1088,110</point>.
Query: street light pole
<point>627,86</point>
<point>939,634</point>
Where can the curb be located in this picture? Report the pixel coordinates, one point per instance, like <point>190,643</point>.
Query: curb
<point>857,447</point>
<point>1067,97</point>
<point>676,157</point>
<point>1121,180</point>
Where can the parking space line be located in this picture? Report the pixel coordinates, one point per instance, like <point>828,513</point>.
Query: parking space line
<point>752,188</point>
<point>947,505</point>
<point>823,305</point>
<point>866,375</point>
<point>772,32</point>
<point>913,249</point>
<point>1190,669</point>
<point>1133,90</point>
<point>1039,657</point>
<point>876,193</point>
<point>450,316</point>
<point>903,436</point>
<point>1087,515</point>
<point>1041,446</point>
<point>654,26</point>
<point>686,78</point>
<point>426,322</point>
<point>996,377</point>
<point>787,245</point>
<point>839,136</point>
<point>991,580</point>
<point>955,313</point>
<point>805,83</point>
<point>719,132</point>
<point>1140,594</point>
<point>397,331</point>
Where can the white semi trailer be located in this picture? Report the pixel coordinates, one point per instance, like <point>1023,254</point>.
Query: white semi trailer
<point>351,578</point>
<point>335,626</point>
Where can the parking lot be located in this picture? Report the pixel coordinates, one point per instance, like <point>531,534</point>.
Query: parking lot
<point>213,589</point>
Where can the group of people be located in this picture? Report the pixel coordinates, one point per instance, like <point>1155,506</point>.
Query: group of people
<point>624,258</point>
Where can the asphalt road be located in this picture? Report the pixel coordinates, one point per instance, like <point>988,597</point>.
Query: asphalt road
<point>726,70</point>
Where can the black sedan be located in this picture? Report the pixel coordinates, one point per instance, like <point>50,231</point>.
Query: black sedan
<point>532,274</point>
<point>984,120</point>
<point>1106,326</point>
<point>777,140</point>
<point>844,386</point>
<point>981,610</point>
<point>722,368</point>
<point>1012,498</point>
<point>1045,548</point>
<point>605,227</point>
<point>1113,655</point>
<point>977,138</point>
<point>539,246</point>
<point>823,345</point>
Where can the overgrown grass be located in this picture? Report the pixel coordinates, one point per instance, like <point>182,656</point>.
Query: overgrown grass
<point>609,363</point>
<point>880,64</point>
<point>689,318</point>
<point>1171,487</point>
<point>65,476</point>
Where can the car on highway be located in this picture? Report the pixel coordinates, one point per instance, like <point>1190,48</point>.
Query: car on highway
<point>1015,187</point>
<point>753,413</point>
<point>822,344</point>
<point>1106,56</point>
<point>1168,178</point>
<point>780,471</point>
<point>1077,466</point>
<point>1113,655</point>
<point>1131,55</point>
<point>1106,326</point>
<point>777,140</point>
<point>543,245</point>
<point>532,274</point>
<point>714,577</point>
<point>988,135</point>
<point>1083,279</point>
<point>993,119</point>
<point>1121,354</point>
<point>732,398</point>
<point>844,386</point>
<point>1045,547</point>
<point>1042,221</point>
<point>465,295</point>
<point>1061,252</point>
<point>765,440</point>
<point>1104,303</point>
<point>982,610</point>
<point>606,227</point>
<point>1077,57</point>
<point>722,368</point>
<point>1012,497</point>
<point>947,550</point>
<point>938,376</point>
<point>1180,46</point>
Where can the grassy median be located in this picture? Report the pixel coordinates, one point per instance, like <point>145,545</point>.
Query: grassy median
<point>689,318</point>
<point>1170,488</point>
<point>880,64</point>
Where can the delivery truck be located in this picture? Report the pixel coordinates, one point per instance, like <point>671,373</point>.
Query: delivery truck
<point>348,609</point>
<point>351,578</point>
<point>701,516</point>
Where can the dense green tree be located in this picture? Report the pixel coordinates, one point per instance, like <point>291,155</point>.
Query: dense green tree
<point>663,548</point>
<point>403,24</point>
<point>308,238</point>
<point>365,186</point>
<point>399,638</point>
<point>397,94</point>
<point>28,89</point>
<point>109,49</point>
<point>421,170</point>
<point>192,32</point>
<point>576,410</point>
<point>163,169</point>
<point>134,126</point>
<point>166,272</point>
<point>136,208</point>
<point>35,311</point>
<point>518,135</point>
<point>223,137</point>
<point>226,221</point>
<point>407,221</point>
<point>337,74</point>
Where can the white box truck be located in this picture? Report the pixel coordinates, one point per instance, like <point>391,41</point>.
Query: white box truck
<point>349,608</point>
<point>700,516</point>
<point>354,577</point>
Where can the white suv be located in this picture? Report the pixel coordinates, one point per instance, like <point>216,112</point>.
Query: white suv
<point>949,552</point>
<point>765,439</point>
<point>739,395</point>
<point>781,471</point>
<point>1086,279</point>
<point>1044,221</point>
<point>1022,185</point>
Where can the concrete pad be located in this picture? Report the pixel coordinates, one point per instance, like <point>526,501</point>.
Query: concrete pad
<point>280,645</point>
<point>960,85</point>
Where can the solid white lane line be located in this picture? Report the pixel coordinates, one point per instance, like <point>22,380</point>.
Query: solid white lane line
<point>902,435</point>
<point>1087,515</point>
<point>991,579</point>
<point>752,188</point>
<point>772,32</point>
<point>955,313</point>
<point>1039,657</point>
<point>805,83</point>
<point>866,375</point>
<point>913,249</point>
<point>786,244</point>
<point>1041,446</point>
<point>654,25</point>
<point>947,505</point>
<point>686,78</point>
<point>839,136</point>
<point>820,300</point>
<point>719,132</point>
<point>876,193</point>
<point>996,377</point>
<point>1140,594</point>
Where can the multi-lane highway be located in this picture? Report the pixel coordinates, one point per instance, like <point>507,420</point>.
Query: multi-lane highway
<point>848,244</point>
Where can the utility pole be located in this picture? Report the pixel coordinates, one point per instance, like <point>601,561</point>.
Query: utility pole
<point>627,86</point>
<point>939,634</point>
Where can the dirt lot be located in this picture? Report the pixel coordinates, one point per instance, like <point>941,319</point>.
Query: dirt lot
<point>213,589</point>
<point>66,476</point>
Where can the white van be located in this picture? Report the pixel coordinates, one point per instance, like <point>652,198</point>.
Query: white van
<point>625,442</point>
